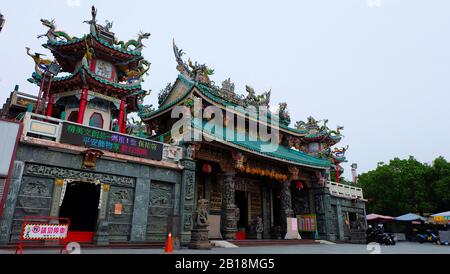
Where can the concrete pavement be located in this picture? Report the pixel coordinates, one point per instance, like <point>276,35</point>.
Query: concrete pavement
<point>400,248</point>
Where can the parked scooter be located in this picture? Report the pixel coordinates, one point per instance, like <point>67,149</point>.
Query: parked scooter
<point>428,236</point>
<point>377,234</point>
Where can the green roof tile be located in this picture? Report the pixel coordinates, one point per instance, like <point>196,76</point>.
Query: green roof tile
<point>276,151</point>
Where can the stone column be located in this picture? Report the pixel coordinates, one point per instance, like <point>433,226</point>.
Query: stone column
<point>187,198</point>
<point>102,234</point>
<point>230,215</point>
<point>340,221</point>
<point>56,199</point>
<point>322,201</point>
<point>140,211</point>
<point>286,205</point>
<point>10,203</point>
<point>265,191</point>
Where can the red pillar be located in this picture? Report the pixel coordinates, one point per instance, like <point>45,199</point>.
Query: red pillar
<point>41,88</point>
<point>124,128</point>
<point>83,103</point>
<point>121,116</point>
<point>50,103</point>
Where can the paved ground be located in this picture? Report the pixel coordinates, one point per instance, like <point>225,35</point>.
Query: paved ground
<point>400,248</point>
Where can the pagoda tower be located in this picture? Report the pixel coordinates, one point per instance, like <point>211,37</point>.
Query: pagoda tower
<point>318,142</point>
<point>103,76</point>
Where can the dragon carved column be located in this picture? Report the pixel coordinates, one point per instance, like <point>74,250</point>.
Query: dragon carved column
<point>230,209</point>
<point>286,200</point>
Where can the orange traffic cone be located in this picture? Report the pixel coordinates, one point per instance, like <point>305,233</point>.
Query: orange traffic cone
<point>169,247</point>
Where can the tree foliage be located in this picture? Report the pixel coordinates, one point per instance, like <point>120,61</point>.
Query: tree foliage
<point>407,185</point>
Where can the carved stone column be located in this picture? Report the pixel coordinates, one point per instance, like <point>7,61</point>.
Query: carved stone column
<point>322,200</point>
<point>56,199</point>
<point>187,197</point>
<point>102,234</point>
<point>286,205</point>
<point>230,214</point>
<point>10,204</point>
<point>286,199</point>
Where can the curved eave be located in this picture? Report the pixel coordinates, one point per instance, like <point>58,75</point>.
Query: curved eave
<point>129,53</point>
<point>166,108</point>
<point>322,137</point>
<point>224,103</point>
<point>289,156</point>
<point>90,78</point>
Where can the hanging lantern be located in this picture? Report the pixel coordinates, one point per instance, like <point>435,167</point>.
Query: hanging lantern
<point>207,168</point>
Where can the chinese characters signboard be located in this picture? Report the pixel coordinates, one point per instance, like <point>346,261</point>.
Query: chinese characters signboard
<point>442,219</point>
<point>95,138</point>
<point>307,223</point>
<point>45,231</point>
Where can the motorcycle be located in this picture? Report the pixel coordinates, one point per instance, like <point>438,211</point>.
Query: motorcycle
<point>428,236</point>
<point>378,235</point>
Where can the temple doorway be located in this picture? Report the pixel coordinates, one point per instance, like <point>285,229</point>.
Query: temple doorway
<point>276,207</point>
<point>242,203</point>
<point>80,205</point>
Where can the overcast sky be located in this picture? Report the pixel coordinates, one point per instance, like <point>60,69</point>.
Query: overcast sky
<point>380,68</point>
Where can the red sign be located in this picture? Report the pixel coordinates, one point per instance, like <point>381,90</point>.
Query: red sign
<point>42,228</point>
<point>307,223</point>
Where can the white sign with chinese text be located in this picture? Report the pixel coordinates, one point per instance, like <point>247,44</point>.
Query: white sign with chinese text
<point>292,229</point>
<point>45,231</point>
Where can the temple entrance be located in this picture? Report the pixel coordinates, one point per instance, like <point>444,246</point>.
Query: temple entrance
<point>80,205</point>
<point>276,207</point>
<point>242,204</point>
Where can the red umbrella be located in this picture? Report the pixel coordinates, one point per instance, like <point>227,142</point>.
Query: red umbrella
<point>372,217</point>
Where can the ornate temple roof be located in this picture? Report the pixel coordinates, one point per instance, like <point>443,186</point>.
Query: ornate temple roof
<point>212,94</point>
<point>312,140</point>
<point>86,59</point>
<point>281,153</point>
<point>82,76</point>
<point>69,53</point>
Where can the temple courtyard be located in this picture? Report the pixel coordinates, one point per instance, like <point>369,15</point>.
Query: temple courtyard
<point>400,248</point>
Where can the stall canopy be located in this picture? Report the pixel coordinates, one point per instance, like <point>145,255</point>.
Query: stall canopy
<point>442,214</point>
<point>410,217</point>
<point>373,217</point>
<point>441,218</point>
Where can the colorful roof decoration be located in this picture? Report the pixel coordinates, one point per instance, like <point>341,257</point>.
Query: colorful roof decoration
<point>241,141</point>
<point>97,60</point>
<point>81,77</point>
<point>312,138</point>
<point>99,43</point>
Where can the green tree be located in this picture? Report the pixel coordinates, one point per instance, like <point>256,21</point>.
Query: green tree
<point>406,185</point>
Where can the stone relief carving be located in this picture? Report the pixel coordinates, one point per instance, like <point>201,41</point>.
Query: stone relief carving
<point>229,191</point>
<point>259,225</point>
<point>161,195</point>
<point>39,190</point>
<point>187,222</point>
<point>201,214</point>
<point>319,205</point>
<point>286,201</point>
<point>58,172</point>
<point>189,188</point>
<point>34,187</point>
<point>119,229</point>
<point>161,200</point>
<point>120,196</point>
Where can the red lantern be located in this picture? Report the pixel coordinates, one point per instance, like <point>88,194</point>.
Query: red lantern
<point>299,185</point>
<point>207,168</point>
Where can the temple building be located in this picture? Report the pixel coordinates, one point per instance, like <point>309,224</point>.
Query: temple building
<point>81,155</point>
